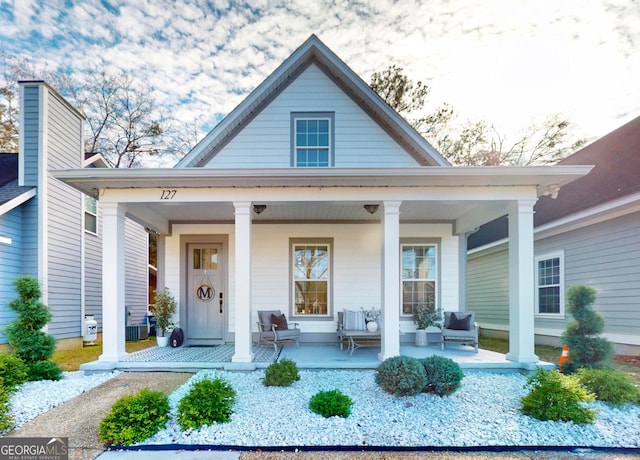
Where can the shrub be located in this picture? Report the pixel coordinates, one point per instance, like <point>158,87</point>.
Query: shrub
<point>281,374</point>
<point>610,385</point>
<point>13,371</point>
<point>401,376</point>
<point>134,418</point>
<point>6,421</point>
<point>331,403</point>
<point>25,334</point>
<point>554,396</point>
<point>443,375</point>
<point>44,370</point>
<point>586,349</point>
<point>208,402</point>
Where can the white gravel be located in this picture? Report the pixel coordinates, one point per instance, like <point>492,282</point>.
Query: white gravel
<point>35,398</point>
<point>483,412</point>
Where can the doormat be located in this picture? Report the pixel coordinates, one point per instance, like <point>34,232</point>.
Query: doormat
<point>213,354</point>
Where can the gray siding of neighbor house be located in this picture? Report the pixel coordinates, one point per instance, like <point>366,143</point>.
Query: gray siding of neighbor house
<point>137,269</point>
<point>10,266</point>
<point>65,220</point>
<point>488,288</point>
<point>93,273</point>
<point>605,256</point>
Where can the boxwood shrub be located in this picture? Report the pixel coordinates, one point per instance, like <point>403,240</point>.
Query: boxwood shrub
<point>208,402</point>
<point>331,403</point>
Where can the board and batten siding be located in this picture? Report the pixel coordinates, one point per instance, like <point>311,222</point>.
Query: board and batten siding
<point>30,134</point>
<point>265,142</point>
<point>357,266</point>
<point>10,264</point>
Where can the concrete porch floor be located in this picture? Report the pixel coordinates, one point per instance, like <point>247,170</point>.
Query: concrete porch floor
<point>306,356</point>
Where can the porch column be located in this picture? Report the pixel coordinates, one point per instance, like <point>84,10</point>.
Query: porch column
<point>521,283</point>
<point>390,340</point>
<point>113,276</point>
<point>243,351</point>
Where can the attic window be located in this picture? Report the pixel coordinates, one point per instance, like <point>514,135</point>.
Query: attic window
<point>312,140</point>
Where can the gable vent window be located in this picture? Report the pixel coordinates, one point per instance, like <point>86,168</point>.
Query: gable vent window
<point>312,140</point>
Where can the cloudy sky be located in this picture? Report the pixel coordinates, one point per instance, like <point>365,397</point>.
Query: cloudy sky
<point>510,62</point>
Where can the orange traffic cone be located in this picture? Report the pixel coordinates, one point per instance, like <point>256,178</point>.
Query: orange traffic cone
<point>564,358</point>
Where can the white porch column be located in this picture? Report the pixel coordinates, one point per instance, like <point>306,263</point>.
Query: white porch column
<point>390,340</point>
<point>521,283</point>
<point>243,345</point>
<point>113,276</point>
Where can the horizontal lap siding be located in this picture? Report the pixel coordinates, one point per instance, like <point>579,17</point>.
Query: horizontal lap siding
<point>488,288</point>
<point>265,141</point>
<point>93,274</point>
<point>605,256</point>
<point>65,221</point>
<point>137,270</point>
<point>10,265</point>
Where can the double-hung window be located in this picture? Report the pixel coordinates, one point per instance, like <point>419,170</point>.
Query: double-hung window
<point>419,276</point>
<point>90,215</point>
<point>311,277</point>
<point>549,285</point>
<point>312,140</point>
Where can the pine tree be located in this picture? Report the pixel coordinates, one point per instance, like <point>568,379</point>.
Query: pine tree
<point>586,348</point>
<point>25,334</point>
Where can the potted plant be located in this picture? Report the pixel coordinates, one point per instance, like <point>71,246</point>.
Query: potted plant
<point>163,310</point>
<point>425,315</point>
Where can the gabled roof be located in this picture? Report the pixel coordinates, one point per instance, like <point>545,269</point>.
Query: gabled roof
<point>313,51</point>
<point>11,194</point>
<point>616,174</point>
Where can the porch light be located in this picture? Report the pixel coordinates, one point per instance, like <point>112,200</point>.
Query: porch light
<point>258,208</point>
<point>371,208</point>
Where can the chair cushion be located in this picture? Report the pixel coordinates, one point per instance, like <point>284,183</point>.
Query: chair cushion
<point>265,318</point>
<point>460,323</point>
<point>354,321</point>
<point>280,322</point>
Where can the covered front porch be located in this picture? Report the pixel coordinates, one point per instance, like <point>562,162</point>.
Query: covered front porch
<point>307,356</point>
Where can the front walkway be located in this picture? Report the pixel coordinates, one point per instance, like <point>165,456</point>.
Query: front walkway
<point>307,356</point>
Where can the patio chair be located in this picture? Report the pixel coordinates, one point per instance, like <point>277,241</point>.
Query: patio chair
<point>273,328</point>
<point>460,327</point>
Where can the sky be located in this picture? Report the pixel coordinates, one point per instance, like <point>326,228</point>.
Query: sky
<point>509,62</point>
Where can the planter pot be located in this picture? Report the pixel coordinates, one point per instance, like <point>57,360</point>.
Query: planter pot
<point>372,326</point>
<point>162,341</point>
<point>421,338</point>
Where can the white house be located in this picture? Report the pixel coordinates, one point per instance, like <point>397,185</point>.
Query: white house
<point>313,196</point>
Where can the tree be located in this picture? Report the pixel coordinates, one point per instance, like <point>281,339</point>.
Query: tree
<point>8,121</point>
<point>474,143</point>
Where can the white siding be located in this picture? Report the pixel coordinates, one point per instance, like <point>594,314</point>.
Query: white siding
<point>265,141</point>
<point>137,269</point>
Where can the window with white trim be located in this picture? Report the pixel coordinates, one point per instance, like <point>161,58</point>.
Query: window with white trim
<point>90,215</point>
<point>312,140</point>
<point>549,297</point>
<point>419,275</point>
<point>311,277</point>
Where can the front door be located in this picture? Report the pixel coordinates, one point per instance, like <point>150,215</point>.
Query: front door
<point>205,296</point>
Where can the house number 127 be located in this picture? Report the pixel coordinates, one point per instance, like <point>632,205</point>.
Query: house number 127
<point>168,194</point>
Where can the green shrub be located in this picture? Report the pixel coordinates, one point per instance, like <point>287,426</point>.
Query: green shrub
<point>610,385</point>
<point>134,418</point>
<point>331,403</point>
<point>208,402</point>
<point>281,373</point>
<point>25,334</point>
<point>586,348</point>
<point>443,375</point>
<point>13,371</point>
<point>6,421</point>
<point>554,396</point>
<point>44,370</point>
<point>401,376</point>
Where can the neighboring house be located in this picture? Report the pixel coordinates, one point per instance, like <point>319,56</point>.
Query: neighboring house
<point>589,234</point>
<point>53,232</point>
<point>313,196</point>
